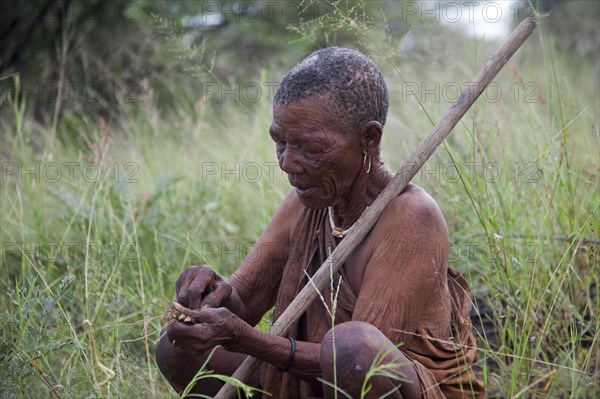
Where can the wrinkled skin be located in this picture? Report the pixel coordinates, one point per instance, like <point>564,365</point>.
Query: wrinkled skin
<point>326,168</point>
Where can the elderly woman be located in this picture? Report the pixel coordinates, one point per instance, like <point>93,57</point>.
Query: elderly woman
<point>397,300</point>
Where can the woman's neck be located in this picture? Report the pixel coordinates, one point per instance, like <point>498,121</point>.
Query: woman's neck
<point>364,191</point>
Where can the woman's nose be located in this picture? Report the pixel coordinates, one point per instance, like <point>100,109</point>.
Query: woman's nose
<point>289,161</point>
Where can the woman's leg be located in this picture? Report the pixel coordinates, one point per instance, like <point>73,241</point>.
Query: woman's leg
<point>357,344</point>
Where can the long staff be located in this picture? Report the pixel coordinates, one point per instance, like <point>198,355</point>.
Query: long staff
<point>408,170</point>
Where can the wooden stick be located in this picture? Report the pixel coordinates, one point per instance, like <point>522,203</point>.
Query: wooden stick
<point>408,170</point>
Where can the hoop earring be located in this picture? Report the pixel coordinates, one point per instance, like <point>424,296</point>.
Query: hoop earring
<point>367,169</point>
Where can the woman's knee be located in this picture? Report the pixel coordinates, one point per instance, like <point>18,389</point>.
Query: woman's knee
<point>355,345</point>
<point>352,347</point>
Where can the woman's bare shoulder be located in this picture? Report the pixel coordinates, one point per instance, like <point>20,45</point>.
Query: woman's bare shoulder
<point>412,212</point>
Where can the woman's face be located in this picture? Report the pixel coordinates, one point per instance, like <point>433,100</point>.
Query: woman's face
<point>321,161</point>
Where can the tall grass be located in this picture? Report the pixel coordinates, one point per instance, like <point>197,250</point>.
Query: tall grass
<point>89,261</point>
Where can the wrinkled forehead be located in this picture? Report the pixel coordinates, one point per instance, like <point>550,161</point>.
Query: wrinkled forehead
<point>315,109</point>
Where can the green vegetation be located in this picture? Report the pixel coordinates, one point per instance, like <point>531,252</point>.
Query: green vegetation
<point>103,203</point>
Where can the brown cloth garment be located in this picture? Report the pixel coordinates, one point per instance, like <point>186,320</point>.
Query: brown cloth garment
<point>443,363</point>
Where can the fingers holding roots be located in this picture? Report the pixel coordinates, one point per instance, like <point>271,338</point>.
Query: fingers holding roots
<point>178,316</point>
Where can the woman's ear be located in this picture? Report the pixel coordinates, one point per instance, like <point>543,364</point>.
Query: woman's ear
<point>370,134</point>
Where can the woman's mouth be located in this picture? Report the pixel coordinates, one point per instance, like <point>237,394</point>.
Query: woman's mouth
<point>304,191</point>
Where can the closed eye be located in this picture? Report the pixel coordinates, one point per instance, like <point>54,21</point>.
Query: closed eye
<point>312,148</point>
<point>273,132</point>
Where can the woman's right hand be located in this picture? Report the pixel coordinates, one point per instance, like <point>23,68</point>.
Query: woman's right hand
<point>199,287</point>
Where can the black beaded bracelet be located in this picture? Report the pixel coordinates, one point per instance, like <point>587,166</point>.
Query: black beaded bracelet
<point>292,353</point>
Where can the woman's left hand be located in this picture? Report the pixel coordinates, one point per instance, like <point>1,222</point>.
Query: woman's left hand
<point>210,327</point>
